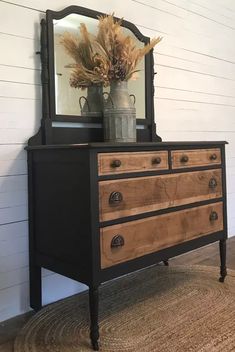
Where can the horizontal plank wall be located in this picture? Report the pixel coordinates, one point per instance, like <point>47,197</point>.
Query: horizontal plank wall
<point>194,100</point>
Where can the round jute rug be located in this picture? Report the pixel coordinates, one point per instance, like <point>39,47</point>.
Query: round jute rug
<point>159,309</point>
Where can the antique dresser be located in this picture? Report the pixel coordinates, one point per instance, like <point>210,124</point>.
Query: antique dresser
<point>99,210</point>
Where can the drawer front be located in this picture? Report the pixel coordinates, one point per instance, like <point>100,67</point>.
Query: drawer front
<point>193,158</point>
<point>123,242</point>
<point>117,163</point>
<point>126,197</point>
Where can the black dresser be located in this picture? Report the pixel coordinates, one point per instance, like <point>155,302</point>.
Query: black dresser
<point>99,211</point>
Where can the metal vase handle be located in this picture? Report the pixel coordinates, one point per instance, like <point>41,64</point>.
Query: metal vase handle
<point>80,103</point>
<point>134,98</point>
<point>109,97</point>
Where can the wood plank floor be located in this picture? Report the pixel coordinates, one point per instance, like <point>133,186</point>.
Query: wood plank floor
<point>208,255</point>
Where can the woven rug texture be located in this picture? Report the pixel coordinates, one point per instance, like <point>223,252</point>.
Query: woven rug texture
<point>158,309</point>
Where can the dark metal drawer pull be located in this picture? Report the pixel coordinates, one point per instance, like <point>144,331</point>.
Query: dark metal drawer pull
<point>212,183</point>
<point>156,160</point>
<point>115,198</point>
<point>213,157</point>
<point>117,241</point>
<point>213,216</point>
<point>116,163</point>
<point>184,159</point>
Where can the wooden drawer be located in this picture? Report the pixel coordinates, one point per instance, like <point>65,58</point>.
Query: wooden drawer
<point>126,197</point>
<point>117,163</point>
<point>140,237</point>
<point>193,158</point>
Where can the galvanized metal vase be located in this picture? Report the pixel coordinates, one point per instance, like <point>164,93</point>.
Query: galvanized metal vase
<point>119,114</point>
<point>92,104</point>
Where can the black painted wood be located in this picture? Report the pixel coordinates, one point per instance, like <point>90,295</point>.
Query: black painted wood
<point>135,147</point>
<point>64,216</point>
<point>55,135</point>
<point>64,211</point>
<point>46,128</point>
<point>94,308</point>
<point>34,269</point>
<point>62,208</point>
<point>223,269</point>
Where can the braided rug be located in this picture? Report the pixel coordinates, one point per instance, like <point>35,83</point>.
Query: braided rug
<point>159,309</point>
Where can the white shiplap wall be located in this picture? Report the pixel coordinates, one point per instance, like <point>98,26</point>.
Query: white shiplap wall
<point>195,100</point>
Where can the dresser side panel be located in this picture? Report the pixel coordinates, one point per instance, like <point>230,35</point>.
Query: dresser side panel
<point>62,216</point>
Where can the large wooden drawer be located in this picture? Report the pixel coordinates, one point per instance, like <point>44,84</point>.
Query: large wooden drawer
<point>123,242</point>
<point>126,197</point>
<point>196,157</point>
<point>117,163</point>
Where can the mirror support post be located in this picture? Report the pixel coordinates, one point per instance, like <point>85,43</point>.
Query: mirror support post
<point>46,121</point>
<point>154,136</point>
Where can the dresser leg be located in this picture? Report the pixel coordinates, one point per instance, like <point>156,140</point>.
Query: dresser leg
<point>166,263</point>
<point>223,271</point>
<point>35,287</point>
<point>94,327</point>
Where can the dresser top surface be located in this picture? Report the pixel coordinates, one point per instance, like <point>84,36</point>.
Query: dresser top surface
<point>106,146</point>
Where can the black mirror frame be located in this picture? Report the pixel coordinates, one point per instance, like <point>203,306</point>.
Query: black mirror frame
<point>52,135</point>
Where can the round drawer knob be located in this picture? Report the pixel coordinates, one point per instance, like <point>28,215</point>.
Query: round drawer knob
<point>213,216</point>
<point>116,163</point>
<point>212,183</point>
<point>115,198</point>
<point>117,241</point>
<point>213,157</point>
<point>184,159</point>
<point>156,160</point>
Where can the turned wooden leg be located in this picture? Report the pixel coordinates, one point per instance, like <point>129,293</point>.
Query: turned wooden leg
<point>166,263</point>
<point>94,307</point>
<point>223,271</point>
<point>35,287</point>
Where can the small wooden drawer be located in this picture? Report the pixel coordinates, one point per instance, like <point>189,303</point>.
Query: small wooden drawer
<point>117,163</point>
<point>123,242</point>
<point>126,197</point>
<point>196,157</point>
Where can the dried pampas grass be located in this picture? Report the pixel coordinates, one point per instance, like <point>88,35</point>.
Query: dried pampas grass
<point>108,56</point>
<point>91,63</point>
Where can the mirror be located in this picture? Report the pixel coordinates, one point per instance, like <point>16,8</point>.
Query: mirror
<point>66,118</point>
<point>72,101</point>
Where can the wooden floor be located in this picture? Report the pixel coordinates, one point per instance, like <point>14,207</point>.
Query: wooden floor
<point>208,255</point>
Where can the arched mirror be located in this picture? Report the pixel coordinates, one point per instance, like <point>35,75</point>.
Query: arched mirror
<point>67,113</point>
<point>71,101</point>
<point>67,101</point>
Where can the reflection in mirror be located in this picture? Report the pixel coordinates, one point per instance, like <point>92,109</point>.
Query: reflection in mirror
<point>73,101</point>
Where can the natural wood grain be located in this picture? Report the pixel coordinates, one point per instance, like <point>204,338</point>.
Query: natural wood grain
<point>151,234</point>
<point>146,194</point>
<point>201,157</point>
<point>132,162</point>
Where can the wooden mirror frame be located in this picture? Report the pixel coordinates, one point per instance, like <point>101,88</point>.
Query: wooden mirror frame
<point>48,133</point>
